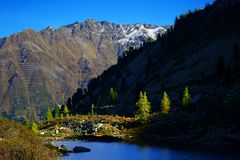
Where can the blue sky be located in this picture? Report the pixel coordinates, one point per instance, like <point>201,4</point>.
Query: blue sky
<point>16,15</point>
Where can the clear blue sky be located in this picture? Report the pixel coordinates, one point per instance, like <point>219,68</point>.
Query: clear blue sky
<point>16,15</point>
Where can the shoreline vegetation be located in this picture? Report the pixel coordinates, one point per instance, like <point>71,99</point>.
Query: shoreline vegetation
<point>20,142</point>
<point>106,128</point>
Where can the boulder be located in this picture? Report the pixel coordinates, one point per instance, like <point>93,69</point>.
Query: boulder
<point>78,149</point>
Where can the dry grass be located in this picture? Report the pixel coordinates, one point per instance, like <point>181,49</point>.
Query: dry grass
<point>20,143</point>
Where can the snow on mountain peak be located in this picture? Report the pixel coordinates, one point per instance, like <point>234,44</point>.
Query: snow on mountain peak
<point>136,34</point>
<point>124,35</point>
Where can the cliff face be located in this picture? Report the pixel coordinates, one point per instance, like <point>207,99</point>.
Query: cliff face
<point>38,69</point>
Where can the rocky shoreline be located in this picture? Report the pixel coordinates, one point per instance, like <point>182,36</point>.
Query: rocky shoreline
<point>115,129</point>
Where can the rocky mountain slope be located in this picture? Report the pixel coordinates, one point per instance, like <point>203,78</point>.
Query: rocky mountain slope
<point>201,51</point>
<point>38,69</point>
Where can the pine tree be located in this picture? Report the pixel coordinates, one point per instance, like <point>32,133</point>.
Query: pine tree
<point>150,40</point>
<point>92,109</point>
<point>131,49</point>
<point>69,104</point>
<point>165,103</point>
<point>34,127</point>
<point>49,115</point>
<point>65,111</point>
<point>144,107</point>
<point>113,95</point>
<point>57,112</point>
<point>186,97</point>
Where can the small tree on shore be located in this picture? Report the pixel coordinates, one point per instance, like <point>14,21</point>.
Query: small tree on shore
<point>92,109</point>
<point>143,106</point>
<point>165,103</point>
<point>49,115</point>
<point>61,116</point>
<point>65,111</point>
<point>56,112</point>
<point>34,127</point>
<point>186,97</point>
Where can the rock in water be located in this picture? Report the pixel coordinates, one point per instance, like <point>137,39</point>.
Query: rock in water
<point>78,149</point>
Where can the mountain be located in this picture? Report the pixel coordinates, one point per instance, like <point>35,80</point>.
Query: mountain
<point>39,69</point>
<point>201,51</point>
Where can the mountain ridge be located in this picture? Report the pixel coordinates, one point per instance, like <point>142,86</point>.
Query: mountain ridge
<point>35,65</point>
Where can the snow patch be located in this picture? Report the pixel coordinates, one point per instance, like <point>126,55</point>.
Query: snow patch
<point>102,29</point>
<point>135,35</point>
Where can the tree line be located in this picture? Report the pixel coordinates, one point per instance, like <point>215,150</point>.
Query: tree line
<point>144,106</point>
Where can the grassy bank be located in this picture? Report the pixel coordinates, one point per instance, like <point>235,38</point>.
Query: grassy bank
<point>193,126</point>
<point>75,127</point>
<point>20,142</point>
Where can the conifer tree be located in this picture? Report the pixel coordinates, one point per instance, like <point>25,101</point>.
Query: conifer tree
<point>144,107</point>
<point>186,97</point>
<point>150,40</point>
<point>114,95</point>
<point>62,116</point>
<point>111,93</point>
<point>57,112</point>
<point>34,127</point>
<point>65,111</point>
<point>165,103</point>
<point>92,109</point>
<point>49,115</point>
<point>69,104</point>
<point>131,49</point>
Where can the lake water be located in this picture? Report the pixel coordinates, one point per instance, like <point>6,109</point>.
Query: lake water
<point>125,151</point>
